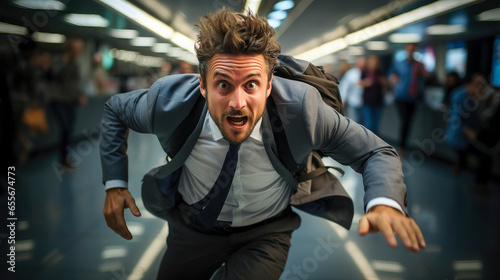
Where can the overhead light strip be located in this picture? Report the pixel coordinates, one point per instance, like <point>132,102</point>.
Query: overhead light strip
<point>146,20</point>
<point>12,29</point>
<point>51,38</point>
<point>41,5</point>
<point>88,20</point>
<point>491,15</point>
<point>384,27</point>
<point>252,5</point>
<point>41,37</point>
<point>123,33</point>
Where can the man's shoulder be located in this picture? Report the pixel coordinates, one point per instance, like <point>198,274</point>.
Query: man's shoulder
<point>290,91</point>
<point>182,87</point>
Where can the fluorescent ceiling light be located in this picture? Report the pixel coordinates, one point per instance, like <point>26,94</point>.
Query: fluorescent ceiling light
<point>252,5</point>
<point>445,29</point>
<point>143,42</point>
<point>377,45</point>
<point>278,15</point>
<point>274,23</point>
<point>491,15</point>
<point>176,52</point>
<point>183,42</point>
<point>137,58</point>
<point>140,17</point>
<point>394,23</point>
<point>123,33</point>
<point>41,4</point>
<point>86,20</point>
<point>144,19</point>
<point>284,5</point>
<point>53,38</point>
<point>149,61</point>
<point>161,47</point>
<point>12,29</point>
<point>124,55</point>
<point>405,38</point>
<point>328,48</point>
<point>355,50</point>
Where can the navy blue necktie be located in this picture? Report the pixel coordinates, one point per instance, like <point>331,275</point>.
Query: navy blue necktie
<point>208,209</point>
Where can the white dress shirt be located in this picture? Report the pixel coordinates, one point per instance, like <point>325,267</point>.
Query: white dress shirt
<point>257,192</point>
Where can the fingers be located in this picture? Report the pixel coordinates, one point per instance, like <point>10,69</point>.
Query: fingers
<point>364,226</point>
<point>410,234</point>
<point>420,236</point>
<point>116,201</point>
<point>133,207</point>
<point>391,222</point>
<point>117,224</point>
<point>387,231</point>
<point>406,234</point>
<point>374,222</point>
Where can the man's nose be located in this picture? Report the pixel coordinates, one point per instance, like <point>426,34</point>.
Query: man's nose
<point>238,100</point>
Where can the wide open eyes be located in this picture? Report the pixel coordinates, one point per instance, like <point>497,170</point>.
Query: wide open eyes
<point>223,85</point>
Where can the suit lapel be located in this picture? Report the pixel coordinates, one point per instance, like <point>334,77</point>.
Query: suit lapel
<point>185,151</point>
<point>271,150</point>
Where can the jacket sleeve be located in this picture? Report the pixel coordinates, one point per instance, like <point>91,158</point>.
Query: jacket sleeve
<point>352,144</point>
<point>133,110</point>
<point>159,110</point>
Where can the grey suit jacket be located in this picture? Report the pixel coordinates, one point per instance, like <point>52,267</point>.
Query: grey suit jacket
<point>308,122</point>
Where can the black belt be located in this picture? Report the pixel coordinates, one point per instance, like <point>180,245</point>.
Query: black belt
<point>226,226</point>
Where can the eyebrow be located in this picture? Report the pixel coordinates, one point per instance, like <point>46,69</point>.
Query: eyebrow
<point>251,75</point>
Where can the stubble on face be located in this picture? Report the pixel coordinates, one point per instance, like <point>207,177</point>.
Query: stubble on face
<point>241,136</point>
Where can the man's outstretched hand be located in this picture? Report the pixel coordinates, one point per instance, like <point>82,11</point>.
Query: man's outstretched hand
<point>391,222</point>
<point>117,199</point>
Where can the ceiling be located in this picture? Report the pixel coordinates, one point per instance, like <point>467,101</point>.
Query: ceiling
<point>309,24</point>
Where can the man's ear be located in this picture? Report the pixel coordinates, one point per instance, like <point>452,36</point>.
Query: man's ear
<point>203,90</point>
<point>269,86</point>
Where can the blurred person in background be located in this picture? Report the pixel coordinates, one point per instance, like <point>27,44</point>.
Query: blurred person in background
<point>466,104</point>
<point>352,92</point>
<point>374,84</point>
<point>67,94</point>
<point>407,79</point>
<point>165,69</point>
<point>99,75</point>
<point>451,82</point>
<point>343,68</point>
<point>24,93</point>
<point>485,142</point>
<point>184,68</point>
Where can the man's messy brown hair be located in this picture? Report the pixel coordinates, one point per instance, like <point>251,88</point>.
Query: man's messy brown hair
<point>227,32</point>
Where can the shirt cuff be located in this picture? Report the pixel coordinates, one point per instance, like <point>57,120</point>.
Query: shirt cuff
<point>384,201</point>
<point>115,184</point>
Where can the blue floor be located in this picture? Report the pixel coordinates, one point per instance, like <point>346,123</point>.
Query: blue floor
<point>61,232</point>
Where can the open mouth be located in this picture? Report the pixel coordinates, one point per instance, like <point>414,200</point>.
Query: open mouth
<point>237,120</point>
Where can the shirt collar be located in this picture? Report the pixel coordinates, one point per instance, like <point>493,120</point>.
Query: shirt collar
<point>217,134</point>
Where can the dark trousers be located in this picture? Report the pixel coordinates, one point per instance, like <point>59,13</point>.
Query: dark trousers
<point>405,110</point>
<point>65,116</point>
<point>253,252</point>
